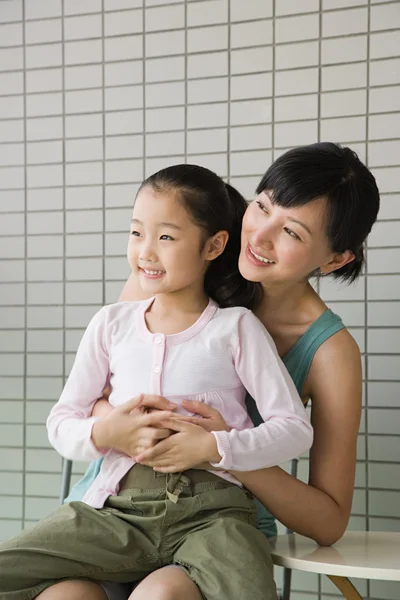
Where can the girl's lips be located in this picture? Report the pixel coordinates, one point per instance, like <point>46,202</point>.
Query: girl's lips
<point>254,261</point>
<point>151,275</point>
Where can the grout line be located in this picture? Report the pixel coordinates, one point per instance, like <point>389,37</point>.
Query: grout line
<point>24,430</point>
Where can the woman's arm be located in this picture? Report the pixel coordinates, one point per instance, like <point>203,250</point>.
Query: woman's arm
<point>321,509</point>
<point>132,290</point>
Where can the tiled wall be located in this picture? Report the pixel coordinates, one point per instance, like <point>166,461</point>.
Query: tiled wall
<point>97,94</point>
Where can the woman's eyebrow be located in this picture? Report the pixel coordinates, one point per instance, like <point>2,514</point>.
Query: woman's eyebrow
<point>301,224</point>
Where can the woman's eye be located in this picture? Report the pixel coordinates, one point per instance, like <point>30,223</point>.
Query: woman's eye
<point>136,233</point>
<point>166,237</point>
<point>292,233</point>
<point>261,205</point>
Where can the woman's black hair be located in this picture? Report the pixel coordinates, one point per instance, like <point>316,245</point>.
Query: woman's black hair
<point>214,206</point>
<point>328,170</point>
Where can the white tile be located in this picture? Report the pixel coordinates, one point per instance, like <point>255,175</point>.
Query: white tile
<point>251,86</point>
<point>201,91</point>
<point>382,341</point>
<point>207,115</point>
<point>11,270</point>
<point>384,45</point>
<point>352,313</point>
<point>37,32</point>
<point>344,76</point>
<point>304,54</point>
<point>87,51</point>
<point>385,17</point>
<point>345,22</point>
<point>292,29</point>
<point>44,152</point>
<point>11,11</point>
<point>127,121</point>
<point>45,222</point>
<point>49,55</point>
<point>118,220</point>
<point>385,233</point>
<point>382,154</point>
<point>383,313</point>
<point>125,146</point>
<point>84,149</point>
<point>12,224</point>
<point>43,80</point>
<point>12,294</point>
<point>83,101</point>
<point>165,69</point>
<point>75,7</point>
<point>82,27</point>
<point>123,48</point>
<point>160,144</point>
<point>332,289</point>
<point>13,197</point>
<point>251,138</point>
<point>154,164</point>
<point>11,154</point>
<point>300,81</point>
<point>124,171</point>
<point>10,507</point>
<point>384,261</point>
<point>89,292</point>
<point>347,129</point>
<point>344,49</point>
<point>211,64</point>
<point>164,43</point>
<point>334,4</point>
<point>11,59</point>
<point>165,94</point>
<point>45,269</point>
<point>384,72</point>
<point>123,98</point>
<point>383,393</point>
<point>44,104</point>
<point>165,119</point>
<point>387,590</point>
<point>39,508</point>
<point>83,125</point>
<point>288,7</point>
<point>11,318</point>
<point>215,162</point>
<point>384,287</point>
<point>153,2</point>
<point>123,73</point>
<point>49,246</point>
<point>118,23</point>
<point>116,268</point>
<point>296,107</point>
<point>251,60</point>
<point>296,133</point>
<point>251,111</point>
<point>39,484</point>
<point>253,9</point>
<point>207,13</point>
<point>202,39</point>
<point>45,293</point>
<point>83,77</point>
<point>86,173</point>
<point>385,99</point>
<point>84,245</point>
<point>12,106</point>
<point>384,503</point>
<point>83,197</point>
<point>44,340</point>
<point>12,177</point>
<point>251,34</point>
<point>116,244</point>
<point>383,126</point>
<point>388,180</point>
<point>44,365</point>
<point>338,104</point>
<point>43,9</point>
<point>207,140</point>
<point>121,195</point>
<point>165,17</point>
<point>120,4</point>
<point>45,199</point>
<point>250,163</point>
<point>12,82</point>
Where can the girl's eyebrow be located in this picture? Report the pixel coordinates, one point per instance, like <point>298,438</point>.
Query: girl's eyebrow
<point>162,224</point>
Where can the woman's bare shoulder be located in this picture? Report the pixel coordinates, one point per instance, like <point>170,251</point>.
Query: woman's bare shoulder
<point>132,290</point>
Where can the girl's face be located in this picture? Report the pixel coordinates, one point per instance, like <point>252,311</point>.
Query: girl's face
<point>284,245</point>
<point>166,249</point>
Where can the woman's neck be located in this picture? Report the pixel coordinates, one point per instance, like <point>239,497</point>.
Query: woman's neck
<point>290,303</point>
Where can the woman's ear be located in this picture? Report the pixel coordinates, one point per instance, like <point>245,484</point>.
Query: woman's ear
<point>337,261</point>
<point>215,245</point>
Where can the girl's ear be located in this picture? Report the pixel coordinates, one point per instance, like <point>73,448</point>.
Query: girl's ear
<point>215,245</point>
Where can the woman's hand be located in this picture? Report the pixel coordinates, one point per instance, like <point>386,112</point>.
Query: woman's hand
<point>131,428</point>
<point>190,446</point>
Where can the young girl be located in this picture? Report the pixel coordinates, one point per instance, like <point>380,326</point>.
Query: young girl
<point>184,247</point>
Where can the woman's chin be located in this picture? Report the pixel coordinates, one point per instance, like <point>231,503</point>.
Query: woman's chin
<point>250,272</point>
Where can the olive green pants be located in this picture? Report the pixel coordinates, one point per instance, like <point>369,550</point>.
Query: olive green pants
<point>195,520</point>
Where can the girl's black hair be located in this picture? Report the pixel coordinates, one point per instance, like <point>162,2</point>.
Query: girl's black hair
<point>327,170</point>
<point>214,206</point>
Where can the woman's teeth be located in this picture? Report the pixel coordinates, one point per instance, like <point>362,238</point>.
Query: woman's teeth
<point>153,272</point>
<point>260,258</point>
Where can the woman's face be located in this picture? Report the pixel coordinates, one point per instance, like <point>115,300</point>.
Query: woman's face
<point>283,245</point>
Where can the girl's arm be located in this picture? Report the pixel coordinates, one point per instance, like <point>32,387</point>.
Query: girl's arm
<point>286,431</point>
<point>321,509</point>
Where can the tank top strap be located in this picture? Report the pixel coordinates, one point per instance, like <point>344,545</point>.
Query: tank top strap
<point>299,358</point>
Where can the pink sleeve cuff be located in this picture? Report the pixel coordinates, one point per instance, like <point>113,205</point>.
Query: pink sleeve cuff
<point>224,449</point>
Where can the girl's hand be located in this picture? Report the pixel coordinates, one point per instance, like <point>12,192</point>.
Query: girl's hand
<point>191,445</point>
<point>208,418</point>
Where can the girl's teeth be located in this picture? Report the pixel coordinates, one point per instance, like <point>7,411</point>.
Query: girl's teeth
<point>260,258</point>
<point>153,272</point>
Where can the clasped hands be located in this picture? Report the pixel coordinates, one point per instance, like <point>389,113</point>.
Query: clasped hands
<point>148,429</point>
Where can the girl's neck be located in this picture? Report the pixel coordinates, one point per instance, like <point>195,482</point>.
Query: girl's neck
<point>174,312</point>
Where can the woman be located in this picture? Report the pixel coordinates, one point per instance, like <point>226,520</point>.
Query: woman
<point>314,208</point>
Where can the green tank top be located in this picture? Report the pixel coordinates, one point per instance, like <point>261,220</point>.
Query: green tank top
<point>298,362</point>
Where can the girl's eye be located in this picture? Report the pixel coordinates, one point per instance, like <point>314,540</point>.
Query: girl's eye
<point>261,205</point>
<point>166,237</point>
<point>136,233</point>
<point>292,233</point>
